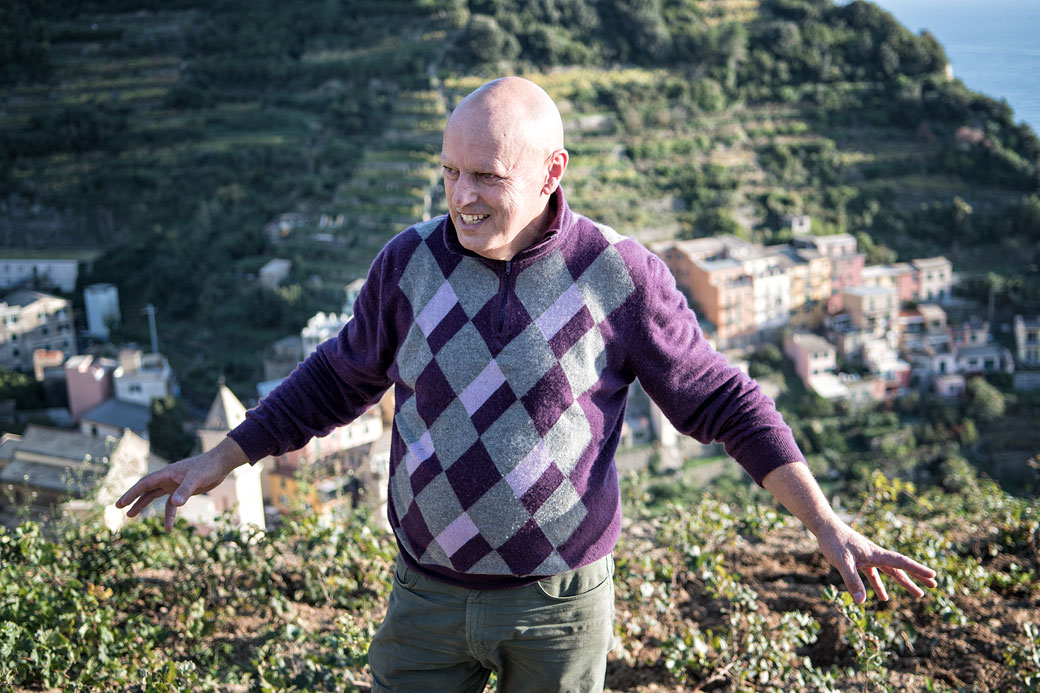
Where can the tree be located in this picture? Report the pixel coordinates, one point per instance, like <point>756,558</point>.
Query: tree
<point>641,27</point>
<point>26,392</point>
<point>986,403</point>
<point>166,429</point>
<point>488,42</point>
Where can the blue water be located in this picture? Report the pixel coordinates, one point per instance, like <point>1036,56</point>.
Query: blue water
<point>993,45</point>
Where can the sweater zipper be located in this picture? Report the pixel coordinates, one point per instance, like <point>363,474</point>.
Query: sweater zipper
<point>505,298</point>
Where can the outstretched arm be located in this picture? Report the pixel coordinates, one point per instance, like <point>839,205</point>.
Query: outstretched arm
<point>184,479</point>
<point>846,549</point>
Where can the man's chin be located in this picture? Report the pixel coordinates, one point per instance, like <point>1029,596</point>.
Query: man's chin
<point>480,245</point>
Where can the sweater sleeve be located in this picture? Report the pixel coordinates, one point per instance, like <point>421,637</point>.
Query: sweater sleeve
<point>694,385</point>
<point>339,381</point>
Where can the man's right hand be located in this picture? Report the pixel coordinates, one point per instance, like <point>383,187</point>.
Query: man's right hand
<point>184,479</point>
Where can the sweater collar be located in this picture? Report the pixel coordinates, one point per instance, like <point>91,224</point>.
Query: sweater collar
<point>563,221</point>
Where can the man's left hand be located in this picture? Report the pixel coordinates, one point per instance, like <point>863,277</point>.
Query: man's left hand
<point>852,553</point>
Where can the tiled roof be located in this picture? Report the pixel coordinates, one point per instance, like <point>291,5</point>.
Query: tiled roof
<point>24,297</point>
<point>120,414</point>
<point>62,444</point>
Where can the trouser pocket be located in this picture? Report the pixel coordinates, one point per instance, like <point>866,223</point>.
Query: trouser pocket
<point>575,584</point>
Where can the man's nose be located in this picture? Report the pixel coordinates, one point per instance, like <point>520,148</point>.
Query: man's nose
<point>464,191</point>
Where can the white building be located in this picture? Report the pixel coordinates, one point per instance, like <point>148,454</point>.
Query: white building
<point>30,320</point>
<point>320,328</point>
<point>274,272</point>
<point>934,278</point>
<point>800,224</point>
<point>102,304</point>
<point>241,492</point>
<point>984,358</point>
<point>884,362</point>
<point>771,289</point>
<point>140,378</point>
<point>1027,340</point>
<point>56,273</point>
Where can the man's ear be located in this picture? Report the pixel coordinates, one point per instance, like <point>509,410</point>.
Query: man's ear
<point>557,164</point>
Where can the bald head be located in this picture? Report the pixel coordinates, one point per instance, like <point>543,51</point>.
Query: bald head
<point>512,109</point>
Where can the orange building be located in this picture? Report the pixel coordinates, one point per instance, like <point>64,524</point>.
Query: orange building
<point>717,284</point>
<point>810,276</point>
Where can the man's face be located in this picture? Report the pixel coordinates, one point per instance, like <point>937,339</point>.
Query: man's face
<point>495,186</point>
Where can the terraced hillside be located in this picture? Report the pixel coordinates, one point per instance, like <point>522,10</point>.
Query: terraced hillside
<point>172,140</point>
<point>194,142</point>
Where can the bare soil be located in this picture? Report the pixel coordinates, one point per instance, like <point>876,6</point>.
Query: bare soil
<point>788,574</point>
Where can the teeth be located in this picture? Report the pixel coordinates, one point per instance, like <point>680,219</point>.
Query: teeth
<point>473,218</point>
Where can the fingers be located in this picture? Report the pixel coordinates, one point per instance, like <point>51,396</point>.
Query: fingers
<point>185,491</point>
<point>143,502</point>
<point>871,561</point>
<point>906,583</point>
<point>170,515</point>
<point>138,489</point>
<point>853,584</point>
<point>900,568</point>
<point>875,582</point>
<point>897,561</point>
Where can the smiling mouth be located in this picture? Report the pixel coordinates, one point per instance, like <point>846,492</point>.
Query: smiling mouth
<point>473,218</point>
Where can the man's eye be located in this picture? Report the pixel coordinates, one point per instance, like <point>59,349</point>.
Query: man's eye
<point>490,177</point>
<point>451,172</point>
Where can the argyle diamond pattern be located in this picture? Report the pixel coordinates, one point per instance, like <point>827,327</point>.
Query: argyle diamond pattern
<point>492,431</point>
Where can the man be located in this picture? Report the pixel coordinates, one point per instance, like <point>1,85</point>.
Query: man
<point>511,330</point>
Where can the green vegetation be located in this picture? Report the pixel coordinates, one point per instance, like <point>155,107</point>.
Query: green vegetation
<point>151,611</point>
<point>709,594</point>
<point>24,389</point>
<point>166,433</point>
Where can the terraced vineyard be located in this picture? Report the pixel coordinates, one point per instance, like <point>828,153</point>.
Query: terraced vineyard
<point>710,596</point>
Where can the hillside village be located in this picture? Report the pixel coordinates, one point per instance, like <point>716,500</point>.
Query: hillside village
<point>862,334</point>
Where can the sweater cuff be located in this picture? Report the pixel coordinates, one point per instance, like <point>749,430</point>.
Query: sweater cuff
<point>768,453</point>
<point>254,440</point>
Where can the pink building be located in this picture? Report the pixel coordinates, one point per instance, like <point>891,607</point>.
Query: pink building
<point>88,381</point>
<point>812,355</point>
<point>906,282</point>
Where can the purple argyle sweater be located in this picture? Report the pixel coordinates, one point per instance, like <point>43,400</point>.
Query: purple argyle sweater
<point>511,381</point>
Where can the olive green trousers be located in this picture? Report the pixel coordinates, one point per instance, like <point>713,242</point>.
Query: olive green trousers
<point>553,635</point>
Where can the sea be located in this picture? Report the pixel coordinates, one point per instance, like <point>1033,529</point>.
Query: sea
<point>993,45</point>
